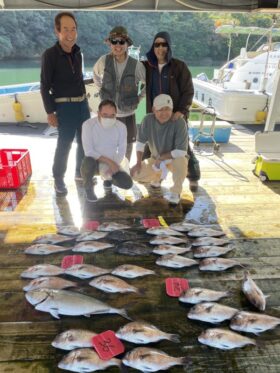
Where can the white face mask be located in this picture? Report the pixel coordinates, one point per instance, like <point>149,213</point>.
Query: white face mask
<point>108,122</point>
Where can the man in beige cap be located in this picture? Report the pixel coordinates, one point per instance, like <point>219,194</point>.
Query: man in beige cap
<point>118,76</point>
<point>168,142</point>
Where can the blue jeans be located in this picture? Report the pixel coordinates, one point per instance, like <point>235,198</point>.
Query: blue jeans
<point>71,116</point>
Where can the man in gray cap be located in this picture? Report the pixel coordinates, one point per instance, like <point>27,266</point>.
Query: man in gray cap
<point>168,143</point>
<point>118,76</point>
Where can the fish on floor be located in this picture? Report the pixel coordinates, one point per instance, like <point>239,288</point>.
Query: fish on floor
<point>91,246</point>
<point>168,240</point>
<point>224,339</point>
<point>198,295</point>
<point>112,226</point>
<point>183,226</point>
<point>112,284</point>
<point>218,264</point>
<point>49,283</point>
<point>65,302</point>
<point>40,270</point>
<point>91,236</point>
<point>205,232</point>
<point>211,251</point>
<point>171,249</point>
<point>69,230</point>
<point>131,271</point>
<point>163,231</point>
<point>211,312</point>
<point>209,241</point>
<point>142,332</point>
<point>45,249</point>
<point>85,271</point>
<point>253,293</point>
<point>73,338</point>
<point>251,322</point>
<point>175,261</point>
<point>53,239</point>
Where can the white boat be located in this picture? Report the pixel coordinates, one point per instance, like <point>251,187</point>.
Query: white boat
<point>30,108</point>
<point>241,90</point>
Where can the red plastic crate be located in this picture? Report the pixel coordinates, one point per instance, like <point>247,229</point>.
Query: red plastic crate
<point>15,167</point>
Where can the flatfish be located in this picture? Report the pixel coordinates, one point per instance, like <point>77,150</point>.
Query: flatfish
<point>211,312</point>
<point>132,248</point>
<point>208,241</point>
<point>65,302</point>
<point>168,240</point>
<point>163,231</point>
<point>217,264</point>
<point>49,283</point>
<point>91,236</point>
<point>40,270</point>
<point>198,295</point>
<point>91,246</point>
<point>141,332</point>
<point>205,232</point>
<point>69,230</point>
<point>112,226</point>
<point>211,251</point>
<point>53,239</point>
<point>151,360</point>
<point>45,249</point>
<point>85,271</point>
<point>171,249</point>
<point>224,339</point>
<point>183,226</point>
<point>73,338</point>
<point>253,293</point>
<point>112,284</point>
<point>175,261</point>
<point>131,271</point>
<point>86,360</point>
<point>251,322</point>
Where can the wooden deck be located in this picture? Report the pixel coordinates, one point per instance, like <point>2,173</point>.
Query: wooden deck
<point>229,195</point>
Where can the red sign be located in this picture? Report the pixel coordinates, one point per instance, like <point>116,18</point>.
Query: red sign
<point>176,286</point>
<point>91,225</point>
<point>150,223</point>
<point>107,345</point>
<point>70,260</point>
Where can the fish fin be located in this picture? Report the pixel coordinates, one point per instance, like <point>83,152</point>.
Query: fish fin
<point>54,312</point>
<point>186,361</point>
<point>87,314</point>
<point>267,296</point>
<point>123,313</point>
<point>174,338</point>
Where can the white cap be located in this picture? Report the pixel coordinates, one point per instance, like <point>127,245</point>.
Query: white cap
<point>163,101</point>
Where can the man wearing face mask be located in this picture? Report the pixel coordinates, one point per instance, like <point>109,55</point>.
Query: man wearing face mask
<point>118,76</point>
<point>104,143</point>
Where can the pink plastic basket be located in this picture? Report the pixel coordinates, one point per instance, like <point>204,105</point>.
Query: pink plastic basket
<point>15,168</point>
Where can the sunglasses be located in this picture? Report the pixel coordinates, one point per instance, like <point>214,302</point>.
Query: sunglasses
<point>117,41</point>
<point>162,44</point>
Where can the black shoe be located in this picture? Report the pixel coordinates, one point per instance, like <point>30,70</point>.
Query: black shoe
<point>60,187</point>
<point>107,184</point>
<point>90,195</point>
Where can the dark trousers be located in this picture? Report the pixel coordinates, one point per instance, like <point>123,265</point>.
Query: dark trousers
<point>130,123</point>
<point>90,168</point>
<point>71,116</point>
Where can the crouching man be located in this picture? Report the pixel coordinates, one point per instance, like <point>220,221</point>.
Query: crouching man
<point>104,142</point>
<point>168,142</point>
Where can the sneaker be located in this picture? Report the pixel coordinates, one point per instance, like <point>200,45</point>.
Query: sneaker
<point>193,185</point>
<point>172,198</point>
<point>78,176</point>
<point>155,184</point>
<point>90,195</point>
<point>107,184</point>
<point>60,187</point>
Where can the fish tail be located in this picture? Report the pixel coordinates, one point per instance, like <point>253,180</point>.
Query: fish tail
<point>174,338</point>
<point>123,313</point>
<point>186,361</point>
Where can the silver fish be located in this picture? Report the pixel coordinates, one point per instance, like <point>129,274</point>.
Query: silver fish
<point>53,239</point>
<point>86,360</point>
<point>162,240</point>
<point>163,231</point>
<point>224,339</point>
<point>73,338</point>
<point>151,360</point>
<point>91,236</point>
<point>198,295</point>
<point>209,241</point>
<point>44,249</point>
<point>250,322</point>
<point>40,270</point>
<point>110,227</point>
<point>183,226</point>
<point>142,333</point>
<point>112,284</point>
<point>91,246</point>
<point>65,302</point>
<point>253,293</point>
<point>171,249</point>
<point>175,261</point>
<point>217,264</point>
<point>211,312</point>
<point>205,232</point>
<point>131,271</point>
<point>211,251</point>
<point>49,283</point>
<point>84,271</point>
<point>69,230</point>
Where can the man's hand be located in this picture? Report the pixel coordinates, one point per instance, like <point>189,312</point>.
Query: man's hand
<point>135,169</point>
<point>177,115</point>
<point>52,120</point>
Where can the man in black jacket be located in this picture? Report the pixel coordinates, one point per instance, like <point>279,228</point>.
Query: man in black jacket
<point>168,75</point>
<point>64,95</point>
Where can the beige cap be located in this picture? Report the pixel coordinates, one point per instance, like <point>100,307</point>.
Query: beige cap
<point>163,101</point>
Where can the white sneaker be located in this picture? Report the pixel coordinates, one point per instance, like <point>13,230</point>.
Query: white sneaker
<point>155,184</point>
<point>172,198</point>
